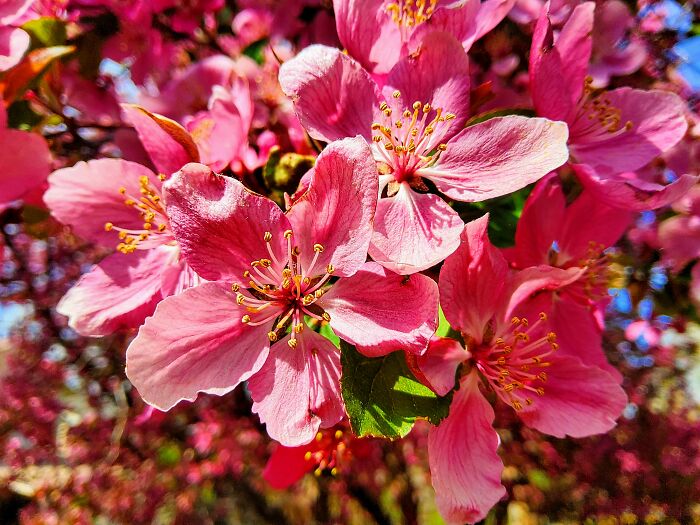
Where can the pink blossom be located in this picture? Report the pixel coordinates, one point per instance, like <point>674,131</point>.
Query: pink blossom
<point>378,33</point>
<point>120,203</point>
<point>415,126</point>
<point>612,133</point>
<point>24,163</point>
<point>14,41</point>
<point>512,351</point>
<point>616,50</point>
<point>526,11</point>
<point>273,270</point>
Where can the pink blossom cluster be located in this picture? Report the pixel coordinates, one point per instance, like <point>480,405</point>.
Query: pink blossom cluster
<point>269,188</point>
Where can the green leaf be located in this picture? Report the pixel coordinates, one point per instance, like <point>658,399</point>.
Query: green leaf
<point>46,32</point>
<point>443,325</point>
<point>256,51</point>
<point>382,396</point>
<point>483,117</point>
<point>326,331</point>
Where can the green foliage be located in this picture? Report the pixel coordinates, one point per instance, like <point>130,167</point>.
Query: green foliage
<point>46,32</point>
<point>256,51</point>
<point>382,396</point>
<point>483,117</point>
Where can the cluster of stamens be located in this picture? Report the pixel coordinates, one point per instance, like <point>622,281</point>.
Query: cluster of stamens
<point>407,143</point>
<point>515,365</point>
<point>281,292</point>
<point>155,222</point>
<point>600,272</point>
<point>597,118</point>
<point>410,13</point>
<point>330,449</point>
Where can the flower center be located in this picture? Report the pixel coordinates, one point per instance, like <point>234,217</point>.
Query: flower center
<point>596,118</point>
<point>410,13</point>
<point>280,289</point>
<point>155,230</point>
<point>406,142</point>
<point>515,364</point>
<point>328,451</point>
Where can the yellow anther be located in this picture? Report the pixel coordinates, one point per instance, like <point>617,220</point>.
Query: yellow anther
<point>318,472</point>
<point>515,320</point>
<point>272,336</point>
<point>147,225</point>
<point>307,456</point>
<point>540,391</point>
<point>319,436</point>
<point>551,337</point>
<point>287,234</point>
<point>330,269</point>
<point>442,147</point>
<point>542,376</point>
<point>235,287</point>
<point>240,298</point>
<point>338,434</point>
<point>450,116</point>
<point>326,317</point>
<point>334,471</point>
<point>108,226</point>
<point>265,263</point>
<point>543,316</point>
<point>517,405</point>
<point>528,401</point>
<point>383,106</point>
<point>122,190</point>
<point>292,343</point>
<point>319,293</point>
<point>246,274</point>
<point>267,236</point>
<point>299,328</point>
<point>161,227</point>
<point>396,94</point>
<point>245,318</point>
<point>161,177</point>
<point>318,247</point>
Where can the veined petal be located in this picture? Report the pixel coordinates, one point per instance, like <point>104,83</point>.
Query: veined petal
<point>333,96</point>
<point>578,400</point>
<point>440,362</point>
<point>298,390</point>
<point>414,231</point>
<point>464,462</point>
<point>473,281</point>
<point>120,292</point>
<point>195,342</point>
<point>337,210</point>
<point>498,156</point>
<point>220,224</point>
<point>380,312</point>
<point>86,196</point>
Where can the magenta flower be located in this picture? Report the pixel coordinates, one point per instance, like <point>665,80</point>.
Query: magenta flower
<point>611,133</point>
<point>25,161</point>
<point>274,274</point>
<point>14,41</point>
<point>415,126</point>
<point>378,33</point>
<point>119,203</point>
<point>512,351</point>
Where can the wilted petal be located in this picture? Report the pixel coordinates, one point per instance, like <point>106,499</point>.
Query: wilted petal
<point>498,156</point>
<point>195,342</point>
<point>337,210</point>
<point>414,231</point>
<point>333,96</point>
<point>380,311</point>
<point>464,463</point>
<point>220,224</point>
<point>298,390</point>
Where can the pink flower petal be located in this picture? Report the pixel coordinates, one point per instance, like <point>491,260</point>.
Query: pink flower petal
<point>12,10</point>
<point>680,241</point>
<point>380,312</point>
<point>298,390</point>
<point>437,72</point>
<point>333,96</point>
<point>24,163</point>
<point>220,224</point>
<point>578,400</point>
<point>631,192</point>
<point>286,466</point>
<point>464,463</point>
<point>195,342</point>
<point>13,44</point>
<point>120,292</point>
<point>167,154</point>
<point>473,281</point>
<point>658,124</point>
<point>498,156</point>
<point>86,196</point>
<point>539,224</point>
<point>368,33</point>
<point>439,363</point>
<point>337,210</point>
<point>414,231</point>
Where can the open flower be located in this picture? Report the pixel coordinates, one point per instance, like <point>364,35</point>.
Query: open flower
<point>415,125</point>
<point>378,33</point>
<point>275,275</point>
<point>512,351</point>
<point>117,203</point>
<point>611,133</point>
